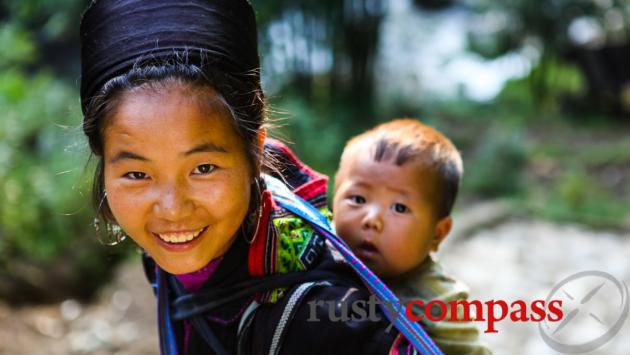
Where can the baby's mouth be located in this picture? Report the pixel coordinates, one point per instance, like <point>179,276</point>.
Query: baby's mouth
<point>366,250</point>
<point>180,237</point>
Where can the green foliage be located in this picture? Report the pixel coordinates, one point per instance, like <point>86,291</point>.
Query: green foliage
<point>318,134</point>
<point>579,173</point>
<point>591,34</point>
<point>577,196</point>
<point>34,156</point>
<point>322,50</point>
<point>508,25</point>
<point>52,20</point>
<point>496,168</point>
<point>22,48</point>
<point>46,239</point>
<point>572,188</point>
<point>549,85</point>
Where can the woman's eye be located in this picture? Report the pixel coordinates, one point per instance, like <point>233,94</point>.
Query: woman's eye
<point>400,208</point>
<point>136,175</point>
<point>204,169</point>
<point>357,199</point>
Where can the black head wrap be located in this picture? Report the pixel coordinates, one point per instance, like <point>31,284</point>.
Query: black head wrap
<point>118,34</point>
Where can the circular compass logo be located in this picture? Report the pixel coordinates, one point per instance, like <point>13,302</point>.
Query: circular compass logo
<point>595,307</point>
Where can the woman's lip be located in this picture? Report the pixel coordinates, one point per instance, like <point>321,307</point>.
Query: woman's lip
<point>181,231</point>
<point>184,245</point>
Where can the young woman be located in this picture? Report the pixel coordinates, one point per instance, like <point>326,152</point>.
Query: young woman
<point>174,112</point>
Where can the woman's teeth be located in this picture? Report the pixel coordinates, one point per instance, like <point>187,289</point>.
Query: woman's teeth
<point>180,237</point>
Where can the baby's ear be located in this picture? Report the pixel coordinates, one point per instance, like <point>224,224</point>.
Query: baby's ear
<point>442,228</point>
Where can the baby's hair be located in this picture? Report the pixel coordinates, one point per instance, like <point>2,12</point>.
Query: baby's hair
<point>408,140</point>
<point>240,96</point>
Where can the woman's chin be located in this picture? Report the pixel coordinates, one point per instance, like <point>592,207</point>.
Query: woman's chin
<point>183,262</point>
<point>189,256</point>
<point>179,267</point>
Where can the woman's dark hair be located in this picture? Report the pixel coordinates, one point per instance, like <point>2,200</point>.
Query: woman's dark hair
<point>242,98</point>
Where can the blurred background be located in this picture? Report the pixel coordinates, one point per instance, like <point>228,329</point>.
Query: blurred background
<point>535,94</point>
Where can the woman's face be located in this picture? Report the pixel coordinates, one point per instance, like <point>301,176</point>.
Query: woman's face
<point>176,174</point>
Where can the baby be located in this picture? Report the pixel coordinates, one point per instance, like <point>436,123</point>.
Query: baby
<point>393,196</point>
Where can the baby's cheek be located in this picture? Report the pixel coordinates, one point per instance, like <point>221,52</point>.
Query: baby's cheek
<point>346,232</point>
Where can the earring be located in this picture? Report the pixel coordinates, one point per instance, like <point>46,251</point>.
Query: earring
<point>257,215</point>
<point>114,235</point>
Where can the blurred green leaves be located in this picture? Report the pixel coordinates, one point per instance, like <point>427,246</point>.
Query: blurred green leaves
<point>18,46</point>
<point>49,20</point>
<point>496,167</point>
<point>592,35</point>
<point>47,248</point>
<point>33,150</point>
<point>586,179</point>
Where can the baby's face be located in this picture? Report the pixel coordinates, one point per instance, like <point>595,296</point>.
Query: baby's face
<point>176,175</point>
<point>386,212</point>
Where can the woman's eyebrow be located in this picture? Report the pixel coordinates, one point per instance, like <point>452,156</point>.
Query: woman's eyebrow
<point>206,148</point>
<point>126,155</point>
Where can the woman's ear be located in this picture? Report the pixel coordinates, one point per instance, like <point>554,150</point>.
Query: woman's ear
<point>442,228</point>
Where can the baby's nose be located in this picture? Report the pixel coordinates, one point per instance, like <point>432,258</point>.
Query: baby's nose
<point>373,220</point>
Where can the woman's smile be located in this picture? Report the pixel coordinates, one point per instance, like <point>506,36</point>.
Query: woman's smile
<point>180,237</point>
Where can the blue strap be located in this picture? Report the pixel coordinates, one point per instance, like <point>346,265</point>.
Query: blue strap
<point>199,323</point>
<point>411,330</point>
<point>168,344</point>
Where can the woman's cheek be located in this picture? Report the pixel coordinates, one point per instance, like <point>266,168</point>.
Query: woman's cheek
<point>115,198</point>
<point>212,195</point>
<point>223,196</point>
<point>126,205</point>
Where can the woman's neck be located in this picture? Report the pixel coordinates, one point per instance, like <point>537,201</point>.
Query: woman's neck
<point>193,281</point>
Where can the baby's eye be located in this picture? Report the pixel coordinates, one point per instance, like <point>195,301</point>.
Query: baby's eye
<point>357,199</point>
<point>135,175</point>
<point>204,169</point>
<point>400,208</point>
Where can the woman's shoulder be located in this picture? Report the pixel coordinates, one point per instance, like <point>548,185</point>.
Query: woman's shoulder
<point>289,242</point>
<point>300,178</point>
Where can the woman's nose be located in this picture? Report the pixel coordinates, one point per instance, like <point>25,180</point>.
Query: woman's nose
<point>173,204</point>
<point>373,219</point>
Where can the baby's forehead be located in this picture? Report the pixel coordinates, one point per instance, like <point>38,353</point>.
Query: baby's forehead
<point>412,176</point>
<point>367,153</point>
<point>390,148</point>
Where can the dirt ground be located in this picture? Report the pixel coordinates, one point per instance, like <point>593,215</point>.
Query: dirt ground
<point>497,256</point>
<point>521,259</point>
<point>121,322</point>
